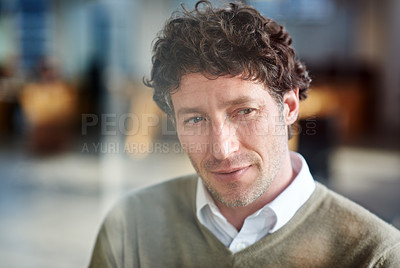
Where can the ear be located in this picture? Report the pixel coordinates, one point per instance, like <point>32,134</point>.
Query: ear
<point>291,105</point>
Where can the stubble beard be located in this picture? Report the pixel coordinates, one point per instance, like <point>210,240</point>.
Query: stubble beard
<point>233,194</point>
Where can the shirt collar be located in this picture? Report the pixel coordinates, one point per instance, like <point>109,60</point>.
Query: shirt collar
<point>203,199</point>
<point>285,205</point>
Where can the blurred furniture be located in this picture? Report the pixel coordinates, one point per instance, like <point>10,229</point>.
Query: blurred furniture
<point>49,109</point>
<point>333,112</point>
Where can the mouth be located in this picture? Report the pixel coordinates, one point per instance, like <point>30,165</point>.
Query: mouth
<point>230,174</point>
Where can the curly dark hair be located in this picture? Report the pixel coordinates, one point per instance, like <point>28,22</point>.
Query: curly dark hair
<point>235,41</point>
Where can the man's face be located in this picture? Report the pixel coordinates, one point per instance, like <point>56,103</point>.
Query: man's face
<point>234,133</point>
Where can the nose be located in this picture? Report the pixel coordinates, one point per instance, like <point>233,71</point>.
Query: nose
<point>223,140</point>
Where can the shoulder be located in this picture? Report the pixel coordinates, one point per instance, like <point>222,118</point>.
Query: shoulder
<point>357,227</point>
<point>142,215</point>
<point>152,204</point>
<point>348,212</point>
<point>175,193</point>
<point>180,186</point>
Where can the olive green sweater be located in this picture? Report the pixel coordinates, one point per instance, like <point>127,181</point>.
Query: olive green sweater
<point>157,227</point>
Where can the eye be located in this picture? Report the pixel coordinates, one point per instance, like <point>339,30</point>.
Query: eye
<point>194,120</point>
<point>246,111</point>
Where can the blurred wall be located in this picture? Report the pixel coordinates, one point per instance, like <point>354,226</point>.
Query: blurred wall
<point>117,34</point>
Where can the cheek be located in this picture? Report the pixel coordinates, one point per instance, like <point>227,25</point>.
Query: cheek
<point>249,130</point>
<point>261,135</point>
<point>194,145</point>
<point>264,127</point>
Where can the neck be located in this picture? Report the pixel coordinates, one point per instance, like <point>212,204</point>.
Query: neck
<point>237,215</point>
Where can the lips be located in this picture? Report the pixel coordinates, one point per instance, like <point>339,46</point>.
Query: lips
<point>230,170</point>
<point>230,174</point>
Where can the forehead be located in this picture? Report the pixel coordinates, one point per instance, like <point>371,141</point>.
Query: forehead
<point>197,90</point>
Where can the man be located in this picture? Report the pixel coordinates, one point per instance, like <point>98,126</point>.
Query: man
<point>229,80</point>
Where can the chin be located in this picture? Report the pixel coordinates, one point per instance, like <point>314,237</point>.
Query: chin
<point>234,196</point>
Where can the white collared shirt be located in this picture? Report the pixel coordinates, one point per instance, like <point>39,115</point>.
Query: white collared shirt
<point>268,219</point>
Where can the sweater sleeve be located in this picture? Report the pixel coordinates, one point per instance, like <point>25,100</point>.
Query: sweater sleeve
<point>390,258</point>
<point>108,249</point>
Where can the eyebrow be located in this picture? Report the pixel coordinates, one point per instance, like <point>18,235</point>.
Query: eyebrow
<point>237,101</point>
<point>191,110</point>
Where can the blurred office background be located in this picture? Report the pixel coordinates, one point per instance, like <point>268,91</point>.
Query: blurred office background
<point>78,129</point>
